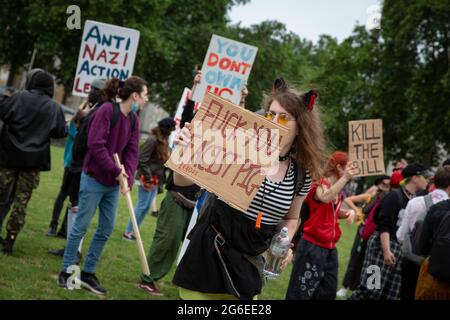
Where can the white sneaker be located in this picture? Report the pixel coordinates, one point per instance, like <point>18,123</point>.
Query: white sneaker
<point>342,293</point>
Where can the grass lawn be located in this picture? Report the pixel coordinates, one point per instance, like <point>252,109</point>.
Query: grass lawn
<point>31,272</point>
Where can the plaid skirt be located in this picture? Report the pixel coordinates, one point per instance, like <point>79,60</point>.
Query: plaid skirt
<point>379,281</point>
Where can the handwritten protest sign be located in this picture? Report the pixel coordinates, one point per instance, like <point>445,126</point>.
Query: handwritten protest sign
<point>179,113</point>
<point>106,51</point>
<point>231,152</point>
<point>366,146</point>
<point>226,68</point>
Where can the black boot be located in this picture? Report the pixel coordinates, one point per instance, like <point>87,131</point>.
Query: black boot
<point>8,244</point>
<point>51,231</point>
<point>58,253</point>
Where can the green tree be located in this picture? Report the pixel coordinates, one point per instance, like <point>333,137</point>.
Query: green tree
<point>415,77</point>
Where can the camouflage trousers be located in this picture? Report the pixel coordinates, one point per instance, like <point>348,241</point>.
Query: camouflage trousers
<point>16,187</point>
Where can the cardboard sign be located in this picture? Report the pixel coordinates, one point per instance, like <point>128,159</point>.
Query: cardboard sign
<point>366,146</point>
<point>231,151</point>
<point>106,51</point>
<point>225,69</point>
<point>183,101</point>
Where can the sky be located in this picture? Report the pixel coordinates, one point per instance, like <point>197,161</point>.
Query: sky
<point>308,18</point>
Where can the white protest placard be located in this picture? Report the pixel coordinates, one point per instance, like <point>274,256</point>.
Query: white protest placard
<point>365,142</point>
<point>226,68</point>
<point>106,51</point>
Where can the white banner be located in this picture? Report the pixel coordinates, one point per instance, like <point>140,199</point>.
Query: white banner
<point>107,51</point>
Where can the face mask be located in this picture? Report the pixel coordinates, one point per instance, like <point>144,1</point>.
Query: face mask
<point>135,107</point>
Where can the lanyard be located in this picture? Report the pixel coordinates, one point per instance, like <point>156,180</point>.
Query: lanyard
<point>259,218</point>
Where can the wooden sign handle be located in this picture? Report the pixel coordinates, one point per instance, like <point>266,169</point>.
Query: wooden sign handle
<point>124,182</point>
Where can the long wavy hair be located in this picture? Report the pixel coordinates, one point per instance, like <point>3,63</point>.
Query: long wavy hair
<point>162,147</point>
<point>308,148</point>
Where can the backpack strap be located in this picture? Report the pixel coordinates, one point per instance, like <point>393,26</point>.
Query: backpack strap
<point>116,115</point>
<point>428,201</point>
<point>299,178</point>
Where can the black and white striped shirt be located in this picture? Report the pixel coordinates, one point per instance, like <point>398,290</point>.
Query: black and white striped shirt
<point>277,199</point>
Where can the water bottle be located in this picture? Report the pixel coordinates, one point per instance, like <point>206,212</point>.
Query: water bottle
<point>278,250</point>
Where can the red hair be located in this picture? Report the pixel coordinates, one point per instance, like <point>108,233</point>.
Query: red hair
<point>396,178</point>
<point>337,158</point>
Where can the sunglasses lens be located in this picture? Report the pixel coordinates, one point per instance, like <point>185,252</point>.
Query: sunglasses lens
<point>268,115</point>
<point>283,119</point>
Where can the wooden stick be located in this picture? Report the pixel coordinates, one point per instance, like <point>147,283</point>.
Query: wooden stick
<point>144,264</point>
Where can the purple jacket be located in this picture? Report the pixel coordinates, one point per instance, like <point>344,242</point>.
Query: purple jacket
<point>103,143</point>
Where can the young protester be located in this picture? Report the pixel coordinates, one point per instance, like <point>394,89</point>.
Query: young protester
<point>31,118</point>
<point>314,275</point>
<point>223,259</point>
<point>372,196</point>
<point>175,214</point>
<point>150,172</point>
<point>116,131</point>
<point>94,96</point>
<point>408,234</point>
<point>383,249</point>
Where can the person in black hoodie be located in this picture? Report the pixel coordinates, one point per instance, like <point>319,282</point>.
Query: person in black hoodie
<point>31,118</point>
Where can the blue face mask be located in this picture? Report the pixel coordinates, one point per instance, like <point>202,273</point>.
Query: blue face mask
<point>135,107</point>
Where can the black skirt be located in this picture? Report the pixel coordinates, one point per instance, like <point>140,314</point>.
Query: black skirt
<point>229,263</point>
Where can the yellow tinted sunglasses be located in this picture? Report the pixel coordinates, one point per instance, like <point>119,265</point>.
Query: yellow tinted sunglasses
<point>282,118</point>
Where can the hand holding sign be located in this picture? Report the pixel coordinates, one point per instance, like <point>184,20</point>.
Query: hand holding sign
<point>184,137</point>
<point>351,170</point>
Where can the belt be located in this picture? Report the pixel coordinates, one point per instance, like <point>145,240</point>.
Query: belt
<point>219,240</point>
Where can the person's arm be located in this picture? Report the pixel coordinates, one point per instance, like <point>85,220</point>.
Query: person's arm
<point>291,220</point>
<point>349,215</point>
<point>60,128</point>
<point>244,94</point>
<point>183,138</point>
<point>372,190</point>
<point>389,258</point>
<point>361,198</point>
<point>326,195</point>
<point>6,106</point>
<point>188,110</point>
<point>389,209</point>
<point>188,113</point>
<point>130,153</point>
<point>98,138</point>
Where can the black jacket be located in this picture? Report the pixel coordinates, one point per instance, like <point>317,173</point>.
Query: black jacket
<point>31,118</point>
<point>386,216</point>
<point>431,224</point>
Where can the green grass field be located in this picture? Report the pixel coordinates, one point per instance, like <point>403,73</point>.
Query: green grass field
<point>31,272</point>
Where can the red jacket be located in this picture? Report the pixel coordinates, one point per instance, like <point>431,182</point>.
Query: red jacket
<point>322,227</point>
